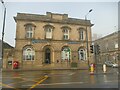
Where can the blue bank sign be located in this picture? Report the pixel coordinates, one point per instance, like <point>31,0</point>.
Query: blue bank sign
<point>73,42</point>
<point>45,41</point>
<point>39,41</point>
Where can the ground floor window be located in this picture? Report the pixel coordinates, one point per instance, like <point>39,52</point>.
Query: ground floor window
<point>66,53</point>
<point>28,54</point>
<point>82,54</point>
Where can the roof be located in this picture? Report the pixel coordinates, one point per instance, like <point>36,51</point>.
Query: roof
<point>48,18</point>
<point>112,34</point>
<point>5,45</point>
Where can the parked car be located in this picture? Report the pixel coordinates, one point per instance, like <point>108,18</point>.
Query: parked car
<point>111,64</point>
<point>115,65</point>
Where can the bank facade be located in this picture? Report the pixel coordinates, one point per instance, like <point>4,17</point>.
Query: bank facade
<point>51,40</point>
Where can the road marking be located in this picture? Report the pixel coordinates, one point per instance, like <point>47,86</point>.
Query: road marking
<point>72,73</point>
<point>112,81</point>
<point>10,77</point>
<point>8,86</point>
<point>59,74</point>
<point>108,81</point>
<point>16,82</point>
<point>28,85</point>
<point>64,83</point>
<point>21,74</point>
<point>25,80</point>
<point>45,77</point>
<point>30,79</point>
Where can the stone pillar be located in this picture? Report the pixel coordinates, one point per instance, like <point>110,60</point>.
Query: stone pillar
<point>57,56</point>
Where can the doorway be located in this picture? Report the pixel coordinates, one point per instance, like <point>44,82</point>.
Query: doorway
<point>47,56</point>
<point>82,54</point>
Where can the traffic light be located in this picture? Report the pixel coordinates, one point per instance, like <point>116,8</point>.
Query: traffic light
<point>91,48</point>
<point>98,49</point>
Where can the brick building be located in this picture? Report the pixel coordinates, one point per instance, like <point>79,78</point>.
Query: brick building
<point>51,40</point>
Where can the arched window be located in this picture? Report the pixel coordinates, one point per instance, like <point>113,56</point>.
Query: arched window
<point>82,54</point>
<point>29,30</point>
<point>28,54</point>
<point>66,53</point>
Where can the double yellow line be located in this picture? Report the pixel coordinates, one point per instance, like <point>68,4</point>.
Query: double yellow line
<point>45,77</point>
<point>33,86</point>
<point>8,86</point>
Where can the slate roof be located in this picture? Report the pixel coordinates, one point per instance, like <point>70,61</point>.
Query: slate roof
<point>5,45</point>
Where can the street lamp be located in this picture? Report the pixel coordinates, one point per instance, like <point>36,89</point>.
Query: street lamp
<point>87,37</point>
<point>3,29</point>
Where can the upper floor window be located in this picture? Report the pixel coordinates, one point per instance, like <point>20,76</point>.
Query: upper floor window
<point>48,31</point>
<point>116,44</point>
<point>81,34</point>
<point>29,30</point>
<point>66,32</point>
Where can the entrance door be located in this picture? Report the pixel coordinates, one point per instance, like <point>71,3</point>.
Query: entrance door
<point>82,54</point>
<point>47,56</point>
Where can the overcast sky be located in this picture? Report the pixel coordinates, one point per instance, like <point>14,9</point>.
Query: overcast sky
<point>104,15</point>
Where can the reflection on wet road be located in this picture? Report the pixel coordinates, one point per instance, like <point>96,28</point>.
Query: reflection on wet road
<point>59,79</point>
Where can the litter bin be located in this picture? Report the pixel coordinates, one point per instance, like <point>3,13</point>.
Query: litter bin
<point>15,65</point>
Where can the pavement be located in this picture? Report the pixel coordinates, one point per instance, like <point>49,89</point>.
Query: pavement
<point>51,67</point>
<point>94,73</point>
<point>65,67</point>
<point>44,69</point>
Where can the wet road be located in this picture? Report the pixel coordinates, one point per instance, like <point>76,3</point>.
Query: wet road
<point>0,79</point>
<point>60,79</point>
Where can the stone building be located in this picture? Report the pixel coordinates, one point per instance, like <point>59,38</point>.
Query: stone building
<point>8,52</point>
<point>108,48</point>
<point>51,40</point>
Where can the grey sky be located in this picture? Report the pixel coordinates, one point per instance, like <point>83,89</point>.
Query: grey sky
<point>104,15</point>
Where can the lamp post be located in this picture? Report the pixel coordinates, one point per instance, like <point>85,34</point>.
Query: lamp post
<point>87,42</point>
<point>3,29</point>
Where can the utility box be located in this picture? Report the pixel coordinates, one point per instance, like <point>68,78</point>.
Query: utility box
<point>74,64</point>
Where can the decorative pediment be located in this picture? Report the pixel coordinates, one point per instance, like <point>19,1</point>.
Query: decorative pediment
<point>30,24</point>
<point>65,27</point>
<point>81,28</point>
<point>48,26</point>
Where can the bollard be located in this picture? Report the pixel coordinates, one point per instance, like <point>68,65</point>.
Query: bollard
<point>104,68</point>
<point>91,69</point>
